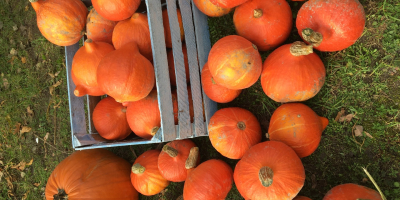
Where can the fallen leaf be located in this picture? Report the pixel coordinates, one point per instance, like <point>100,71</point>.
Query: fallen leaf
<point>22,174</point>
<point>17,127</point>
<point>46,137</point>
<point>12,59</point>
<point>58,83</point>
<point>36,184</point>
<point>2,103</point>
<point>358,130</point>
<point>51,75</point>
<point>347,118</point>
<point>368,135</point>
<point>57,73</point>
<point>20,166</point>
<point>25,196</point>
<point>29,163</point>
<point>26,8</point>
<point>25,129</point>
<point>15,27</point>
<point>5,83</point>
<point>13,52</point>
<point>1,175</point>
<point>339,114</point>
<point>1,162</point>
<point>9,183</point>
<point>23,60</point>
<point>29,111</point>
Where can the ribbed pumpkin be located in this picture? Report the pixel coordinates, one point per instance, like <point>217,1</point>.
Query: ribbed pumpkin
<point>331,25</point>
<point>211,180</point>
<point>135,29</point>
<point>109,119</point>
<point>116,10</point>
<point>266,24</point>
<point>62,22</point>
<point>228,3</point>
<point>351,191</point>
<point>269,170</point>
<point>84,67</point>
<point>214,91</point>
<point>292,73</point>
<point>125,74</point>
<point>98,28</point>
<point>167,29</point>
<point>301,198</point>
<point>145,176</point>
<point>171,65</point>
<point>174,161</point>
<point>209,9</point>
<point>298,126</point>
<point>233,131</point>
<point>91,174</point>
<point>235,62</point>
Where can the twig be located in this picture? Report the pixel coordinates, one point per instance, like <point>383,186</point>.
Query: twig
<point>50,144</point>
<point>376,185</point>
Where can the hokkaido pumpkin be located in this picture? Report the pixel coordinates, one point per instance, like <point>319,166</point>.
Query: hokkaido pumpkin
<point>145,176</point>
<point>98,28</point>
<point>211,180</point>
<point>171,65</point>
<point>84,67</point>
<point>235,62</point>
<point>292,73</point>
<point>233,131</point>
<point>209,9</point>
<point>167,29</point>
<point>331,25</point>
<point>266,24</point>
<point>214,91</point>
<point>228,3</point>
<point>175,161</point>
<point>301,198</point>
<point>125,74</point>
<point>91,174</point>
<point>116,10</point>
<point>351,191</point>
<point>61,22</point>
<point>135,29</point>
<point>269,170</point>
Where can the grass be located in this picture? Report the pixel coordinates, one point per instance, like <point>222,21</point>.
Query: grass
<point>363,80</point>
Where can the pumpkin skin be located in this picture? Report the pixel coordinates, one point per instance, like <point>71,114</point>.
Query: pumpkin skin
<point>125,74</point>
<point>266,24</point>
<point>351,191</point>
<point>167,29</point>
<point>340,22</point>
<point>61,22</point>
<point>92,174</point>
<point>288,172</point>
<point>211,180</point>
<point>84,67</point>
<point>209,9</point>
<point>116,10</point>
<point>233,131</point>
<point>98,28</point>
<point>136,29</point>
<point>235,62</point>
<point>171,65</point>
<point>301,198</point>
<point>228,3</point>
<point>289,78</point>
<point>150,181</point>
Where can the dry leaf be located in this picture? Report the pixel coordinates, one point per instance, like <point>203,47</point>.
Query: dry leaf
<point>369,135</point>
<point>25,196</point>
<point>1,162</point>
<point>22,174</point>
<point>5,83</point>
<point>29,111</point>
<point>20,166</point>
<point>1,175</point>
<point>358,130</point>
<point>9,183</point>
<point>2,103</point>
<point>54,86</point>
<point>23,60</point>
<point>36,184</point>
<point>13,52</point>
<point>30,162</point>
<point>15,28</point>
<point>57,73</point>
<point>46,136</point>
<point>17,127</point>
<point>51,75</point>
<point>339,114</point>
<point>26,8</point>
<point>25,129</point>
<point>364,180</point>
<point>347,118</point>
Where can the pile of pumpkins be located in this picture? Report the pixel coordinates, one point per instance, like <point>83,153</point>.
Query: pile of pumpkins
<point>116,60</point>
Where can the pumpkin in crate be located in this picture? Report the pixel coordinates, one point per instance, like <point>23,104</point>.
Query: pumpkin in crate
<point>116,10</point>
<point>233,131</point>
<point>301,198</point>
<point>145,176</point>
<point>331,25</point>
<point>292,73</point>
<point>177,159</point>
<point>84,67</point>
<point>61,22</point>
<point>266,24</point>
<point>167,28</point>
<point>171,65</point>
<point>235,62</point>
<point>209,9</point>
<point>228,3</point>
<point>98,28</point>
<point>351,191</point>
<point>269,170</point>
<point>211,180</point>
<point>91,174</point>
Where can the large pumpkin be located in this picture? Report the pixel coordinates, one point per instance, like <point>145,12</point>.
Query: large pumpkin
<point>292,73</point>
<point>171,65</point>
<point>91,174</point>
<point>62,22</point>
<point>233,131</point>
<point>269,170</point>
<point>211,180</point>
<point>167,28</point>
<point>98,28</point>
<point>116,10</point>
<point>235,62</point>
<point>228,3</point>
<point>266,24</point>
<point>209,9</point>
<point>331,25</point>
<point>351,191</point>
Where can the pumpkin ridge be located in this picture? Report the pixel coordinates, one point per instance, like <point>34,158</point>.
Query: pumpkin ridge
<point>287,127</point>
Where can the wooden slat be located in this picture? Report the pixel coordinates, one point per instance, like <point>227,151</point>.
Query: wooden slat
<point>92,101</point>
<point>195,81</point>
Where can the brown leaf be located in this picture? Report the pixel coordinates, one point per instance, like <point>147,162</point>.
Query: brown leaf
<point>20,166</point>
<point>25,129</point>
<point>36,184</point>
<point>347,118</point>
<point>9,183</point>
<point>57,73</point>
<point>1,175</point>
<point>2,103</point>
<point>364,180</point>
<point>5,83</point>
<point>29,163</point>
<point>26,8</point>
<point>368,135</point>
<point>58,83</point>
<point>51,75</point>
<point>25,196</point>
<point>358,130</point>
<point>13,51</point>
<point>339,114</point>
<point>1,162</point>
<point>46,137</point>
<point>23,60</point>
<point>17,127</point>
<point>22,174</point>
<point>29,111</point>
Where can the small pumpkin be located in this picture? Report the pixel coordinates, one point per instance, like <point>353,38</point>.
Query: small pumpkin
<point>116,10</point>
<point>167,29</point>
<point>233,131</point>
<point>269,170</point>
<point>211,180</point>
<point>98,28</point>
<point>209,9</point>
<point>145,176</point>
<point>301,198</point>
<point>228,3</point>
<point>351,191</point>
<point>292,73</point>
<point>171,65</point>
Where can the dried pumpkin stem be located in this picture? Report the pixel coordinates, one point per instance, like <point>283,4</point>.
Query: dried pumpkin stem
<point>170,151</point>
<point>192,158</point>
<point>267,135</point>
<point>154,130</point>
<point>258,13</point>
<point>241,125</point>
<point>312,37</point>
<point>61,195</point>
<point>138,169</point>
<point>266,176</point>
<point>301,49</point>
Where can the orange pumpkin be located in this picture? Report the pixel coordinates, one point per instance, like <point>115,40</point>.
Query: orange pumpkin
<point>351,191</point>
<point>228,3</point>
<point>167,29</point>
<point>125,74</point>
<point>61,22</point>
<point>269,170</point>
<point>84,67</point>
<point>209,9</point>
<point>116,10</point>
<point>145,176</point>
<point>98,28</point>
<point>301,198</point>
<point>91,174</point>
<point>235,62</point>
<point>135,29</point>
<point>171,65</point>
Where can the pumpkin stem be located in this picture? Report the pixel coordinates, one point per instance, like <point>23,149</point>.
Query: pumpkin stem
<point>138,169</point>
<point>35,4</point>
<point>192,158</point>
<point>89,45</point>
<point>258,13</point>
<point>134,16</point>
<point>80,91</point>
<point>266,176</point>
<point>241,125</point>
<point>123,109</point>
<point>154,130</point>
<point>267,135</point>
<point>301,49</point>
<point>312,37</point>
<point>213,81</point>
<point>61,195</point>
<point>170,151</point>
<point>324,122</point>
